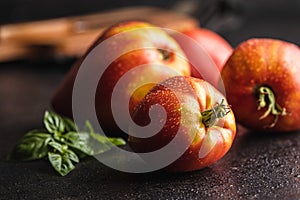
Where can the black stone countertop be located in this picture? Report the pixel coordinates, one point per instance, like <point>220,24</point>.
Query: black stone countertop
<point>258,166</point>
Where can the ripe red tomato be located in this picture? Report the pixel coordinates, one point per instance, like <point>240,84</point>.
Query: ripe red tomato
<point>194,107</point>
<point>262,84</point>
<point>142,51</point>
<point>205,43</point>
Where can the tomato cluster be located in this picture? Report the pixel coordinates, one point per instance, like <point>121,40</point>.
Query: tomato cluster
<point>259,77</point>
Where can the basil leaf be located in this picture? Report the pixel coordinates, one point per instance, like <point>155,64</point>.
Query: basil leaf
<point>62,142</point>
<point>71,155</point>
<point>32,146</point>
<point>98,147</point>
<point>117,141</point>
<point>108,140</point>
<point>89,126</point>
<point>63,149</point>
<point>79,141</point>
<point>67,165</point>
<point>70,125</point>
<point>100,143</point>
<point>53,123</point>
<point>100,138</point>
<point>55,160</point>
<point>103,139</point>
<point>37,133</point>
<point>57,146</point>
<point>61,163</point>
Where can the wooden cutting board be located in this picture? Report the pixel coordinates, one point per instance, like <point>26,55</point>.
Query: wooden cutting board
<point>71,36</point>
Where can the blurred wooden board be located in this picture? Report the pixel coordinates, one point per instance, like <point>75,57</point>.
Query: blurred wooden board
<point>72,36</point>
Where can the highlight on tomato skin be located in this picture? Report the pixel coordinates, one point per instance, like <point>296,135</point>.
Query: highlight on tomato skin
<point>262,84</point>
<point>196,108</point>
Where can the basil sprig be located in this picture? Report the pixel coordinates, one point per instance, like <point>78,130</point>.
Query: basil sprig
<point>62,143</point>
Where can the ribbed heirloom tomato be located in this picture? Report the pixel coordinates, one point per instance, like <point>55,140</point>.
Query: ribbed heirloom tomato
<point>194,107</point>
<point>262,84</point>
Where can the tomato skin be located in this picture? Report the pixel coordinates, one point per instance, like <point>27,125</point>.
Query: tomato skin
<point>208,145</point>
<point>214,44</point>
<point>264,62</point>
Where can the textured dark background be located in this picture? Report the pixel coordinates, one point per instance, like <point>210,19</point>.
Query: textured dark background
<point>259,166</point>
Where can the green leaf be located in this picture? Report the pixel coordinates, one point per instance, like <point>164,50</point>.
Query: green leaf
<point>55,160</point>
<point>103,139</point>
<point>100,143</point>
<point>67,165</point>
<point>63,149</point>
<point>71,155</point>
<point>111,141</point>
<point>63,143</point>
<point>79,141</point>
<point>70,125</point>
<point>98,147</point>
<point>57,146</point>
<point>100,138</point>
<point>54,123</point>
<point>61,163</point>
<point>89,126</point>
<point>117,141</point>
<point>32,146</point>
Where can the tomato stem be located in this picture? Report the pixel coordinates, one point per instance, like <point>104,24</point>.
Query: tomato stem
<point>267,98</point>
<point>220,110</point>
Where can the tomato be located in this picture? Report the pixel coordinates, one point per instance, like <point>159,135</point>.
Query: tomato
<point>203,43</point>
<point>139,51</point>
<point>262,84</point>
<point>196,114</point>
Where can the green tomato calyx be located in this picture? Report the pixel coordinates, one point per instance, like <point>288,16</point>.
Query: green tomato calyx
<point>220,110</point>
<point>266,98</point>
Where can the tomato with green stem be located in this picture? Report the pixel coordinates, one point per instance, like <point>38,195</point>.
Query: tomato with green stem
<point>195,112</point>
<point>262,84</point>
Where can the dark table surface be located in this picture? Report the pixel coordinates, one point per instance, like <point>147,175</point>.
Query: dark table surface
<point>258,166</point>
